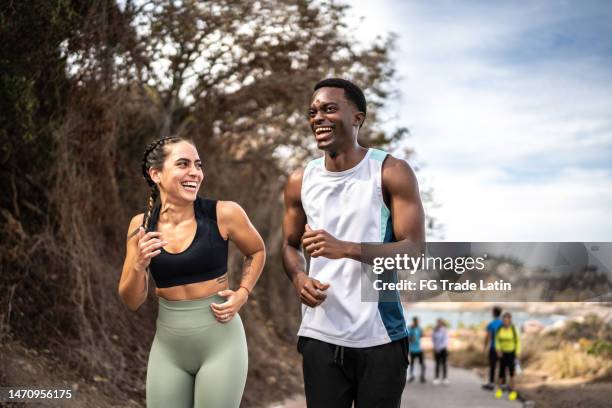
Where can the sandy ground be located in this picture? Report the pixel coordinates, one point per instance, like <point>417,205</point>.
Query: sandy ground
<point>25,367</point>
<point>574,393</point>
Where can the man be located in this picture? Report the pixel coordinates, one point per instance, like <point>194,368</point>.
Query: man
<point>353,351</point>
<point>414,336</point>
<point>489,346</point>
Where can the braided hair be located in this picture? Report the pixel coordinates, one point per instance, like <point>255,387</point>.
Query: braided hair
<point>154,156</point>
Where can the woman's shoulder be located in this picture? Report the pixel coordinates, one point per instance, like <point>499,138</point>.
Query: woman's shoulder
<point>136,220</point>
<point>229,209</point>
<point>135,223</point>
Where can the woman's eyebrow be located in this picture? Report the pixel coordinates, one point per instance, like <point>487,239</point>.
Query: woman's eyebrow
<point>187,160</point>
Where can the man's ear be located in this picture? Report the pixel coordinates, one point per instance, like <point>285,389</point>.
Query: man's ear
<point>358,119</point>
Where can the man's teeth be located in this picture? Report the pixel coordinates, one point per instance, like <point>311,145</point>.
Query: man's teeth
<point>320,130</point>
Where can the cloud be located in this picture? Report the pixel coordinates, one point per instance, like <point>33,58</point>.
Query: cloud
<point>508,105</point>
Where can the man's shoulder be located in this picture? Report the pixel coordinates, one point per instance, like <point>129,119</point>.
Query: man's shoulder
<point>298,174</point>
<point>293,186</point>
<point>391,162</point>
<point>494,324</point>
<point>397,173</point>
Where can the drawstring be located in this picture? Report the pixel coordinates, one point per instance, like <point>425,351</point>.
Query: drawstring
<point>341,350</point>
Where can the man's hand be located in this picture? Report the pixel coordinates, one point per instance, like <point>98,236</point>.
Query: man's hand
<point>322,243</point>
<point>311,291</point>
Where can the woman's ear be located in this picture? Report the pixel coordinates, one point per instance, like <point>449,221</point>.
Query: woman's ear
<point>154,174</point>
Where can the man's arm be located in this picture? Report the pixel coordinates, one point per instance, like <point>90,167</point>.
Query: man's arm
<point>311,291</point>
<point>487,341</point>
<point>401,194</point>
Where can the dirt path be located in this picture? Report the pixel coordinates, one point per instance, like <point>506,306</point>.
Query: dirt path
<point>463,391</point>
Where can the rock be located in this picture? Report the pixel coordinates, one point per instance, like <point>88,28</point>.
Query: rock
<point>532,326</point>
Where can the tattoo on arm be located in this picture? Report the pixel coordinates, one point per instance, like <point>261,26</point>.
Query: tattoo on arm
<point>246,268</point>
<point>222,279</point>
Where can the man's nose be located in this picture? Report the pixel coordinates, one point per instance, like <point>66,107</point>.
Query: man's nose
<point>318,117</point>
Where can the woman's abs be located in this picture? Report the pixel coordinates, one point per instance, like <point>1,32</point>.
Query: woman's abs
<point>194,290</point>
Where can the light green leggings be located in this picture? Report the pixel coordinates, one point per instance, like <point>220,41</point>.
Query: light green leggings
<point>195,361</point>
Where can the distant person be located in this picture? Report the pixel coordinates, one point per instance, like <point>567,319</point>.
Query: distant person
<point>199,353</point>
<point>489,346</point>
<point>440,344</point>
<point>414,335</point>
<point>508,347</point>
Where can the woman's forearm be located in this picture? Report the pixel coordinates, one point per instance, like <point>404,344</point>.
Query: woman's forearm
<point>251,269</point>
<point>133,288</point>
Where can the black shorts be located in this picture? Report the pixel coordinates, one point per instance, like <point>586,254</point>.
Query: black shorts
<point>507,361</point>
<point>335,376</point>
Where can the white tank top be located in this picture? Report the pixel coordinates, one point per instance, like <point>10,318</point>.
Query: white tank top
<point>349,205</point>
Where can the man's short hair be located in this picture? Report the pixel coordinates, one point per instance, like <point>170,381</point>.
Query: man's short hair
<point>497,311</point>
<point>351,91</point>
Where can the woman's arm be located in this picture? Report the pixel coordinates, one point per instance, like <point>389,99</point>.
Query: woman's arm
<point>140,248</point>
<point>234,224</point>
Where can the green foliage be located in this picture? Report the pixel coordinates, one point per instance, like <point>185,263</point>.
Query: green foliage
<point>591,328</point>
<point>601,348</point>
<point>85,85</point>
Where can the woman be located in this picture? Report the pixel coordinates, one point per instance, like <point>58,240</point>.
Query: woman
<point>508,347</point>
<point>199,354</point>
<point>440,344</point>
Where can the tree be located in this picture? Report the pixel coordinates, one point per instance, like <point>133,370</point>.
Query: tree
<point>233,76</point>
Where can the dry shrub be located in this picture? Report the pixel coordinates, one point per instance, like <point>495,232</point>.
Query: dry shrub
<point>570,361</point>
<point>71,189</point>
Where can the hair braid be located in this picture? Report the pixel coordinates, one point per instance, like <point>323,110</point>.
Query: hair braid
<point>154,156</point>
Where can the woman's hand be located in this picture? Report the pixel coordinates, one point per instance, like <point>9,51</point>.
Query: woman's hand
<point>149,245</point>
<point>235,299</point>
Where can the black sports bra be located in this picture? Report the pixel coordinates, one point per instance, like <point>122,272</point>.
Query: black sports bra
<point>204,259</point>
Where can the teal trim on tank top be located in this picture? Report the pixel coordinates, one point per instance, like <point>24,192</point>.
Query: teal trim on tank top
<point>391,312</point>
<point>316,162</point>
<point>385,217</point>
<point>378,155</point>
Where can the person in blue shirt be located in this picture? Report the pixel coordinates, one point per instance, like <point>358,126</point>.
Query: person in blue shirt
<point>414,335</point>
<point>489,346</point>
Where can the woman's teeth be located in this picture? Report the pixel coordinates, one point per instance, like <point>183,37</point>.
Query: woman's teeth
<point>190,186</point>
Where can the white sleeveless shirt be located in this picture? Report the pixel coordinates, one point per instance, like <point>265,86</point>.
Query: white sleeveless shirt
<point>349,205</point>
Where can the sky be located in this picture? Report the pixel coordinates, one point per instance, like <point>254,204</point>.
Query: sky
<point>509,106</point>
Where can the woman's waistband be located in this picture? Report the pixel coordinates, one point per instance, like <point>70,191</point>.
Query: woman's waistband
<point>191,304</point>
<point>187,313</point>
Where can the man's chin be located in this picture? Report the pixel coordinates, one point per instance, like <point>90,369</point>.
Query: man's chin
<point>325,145</point>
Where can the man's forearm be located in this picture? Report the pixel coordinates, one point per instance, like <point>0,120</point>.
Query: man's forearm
<point>366,252</point>
<point>352,250</point>
<point>294,262</point>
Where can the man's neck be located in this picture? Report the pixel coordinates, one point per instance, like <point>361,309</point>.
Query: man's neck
<point>344,159</point>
